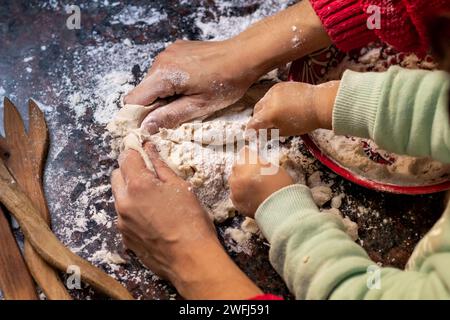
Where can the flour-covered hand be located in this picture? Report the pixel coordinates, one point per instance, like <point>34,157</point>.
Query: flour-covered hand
<point>163,223</point>
<point>202,76</point>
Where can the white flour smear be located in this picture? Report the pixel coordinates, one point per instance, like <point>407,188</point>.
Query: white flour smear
<point>131,15</point>
<point>223,26</point>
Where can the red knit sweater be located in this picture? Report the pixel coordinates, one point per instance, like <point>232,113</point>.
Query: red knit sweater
<point>402,22</point>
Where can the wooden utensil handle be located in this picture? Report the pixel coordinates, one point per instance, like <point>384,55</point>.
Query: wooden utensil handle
<point>25,155</point>
<point>45,242</point>
<point>47,277</point>
<point>15,280</point>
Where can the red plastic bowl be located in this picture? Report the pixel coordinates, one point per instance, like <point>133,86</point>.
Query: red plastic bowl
<point>360,180</point>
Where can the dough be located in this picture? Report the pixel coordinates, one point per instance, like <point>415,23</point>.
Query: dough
<point>315,179</point>
<point>218,133</point>
<point>336,202</point>
<point>352,154</point>
<point>351,228</point>
<point>126,128</point>
<point>202,153</point>
<point>321,195</point>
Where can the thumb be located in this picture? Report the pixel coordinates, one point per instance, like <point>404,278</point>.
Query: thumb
<point>174,114</point>
<point>247,156</point>
<point>164,172</point>
<point>261,118</point>
<point>256,123</point>
<point>158,84</point>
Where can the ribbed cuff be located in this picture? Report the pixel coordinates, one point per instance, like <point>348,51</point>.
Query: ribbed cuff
<point>345,23</point>
<point>292,201</point>
<point>357,103</point>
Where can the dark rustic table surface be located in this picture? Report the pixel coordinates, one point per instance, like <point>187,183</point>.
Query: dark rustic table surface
<point>41,58</point>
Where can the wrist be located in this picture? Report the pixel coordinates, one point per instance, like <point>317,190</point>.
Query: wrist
<point>243,59</point>
<point>324,99</point>
<point>284,37</point>
<point>209,273</point>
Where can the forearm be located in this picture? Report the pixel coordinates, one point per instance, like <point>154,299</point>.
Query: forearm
<point>282,38</point>
<point>332,266</point>
<point>318,260</point>
<point>403,111</point>
<point>209,274</point>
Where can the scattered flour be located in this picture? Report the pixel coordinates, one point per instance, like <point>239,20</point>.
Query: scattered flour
<point>378,57</point>
<point>132,15</point>
<point>219,27</point>
<point>104,256</point>
<point>117,82</point>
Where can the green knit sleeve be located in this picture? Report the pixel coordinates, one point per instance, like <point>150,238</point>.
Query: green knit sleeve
<point>403,111</point>
<point>318,260</point>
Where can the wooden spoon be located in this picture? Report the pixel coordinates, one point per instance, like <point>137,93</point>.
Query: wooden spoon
<point>26,160</point>
<point>38,233</point>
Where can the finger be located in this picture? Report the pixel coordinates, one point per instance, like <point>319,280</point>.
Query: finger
<point>119,190</point>
<point>129,244</point>
<point>174,114</point>
<point>239,163</point>
<point>117,185</point>
<point>261,105</point>
<point>245,154</point>
<point>258,122</point>
<point>162,169</point>
<point>132,166</point>
<point>260,119</point>
<point>152,87</point>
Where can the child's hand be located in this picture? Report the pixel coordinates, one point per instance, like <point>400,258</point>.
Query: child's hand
<point>295,108</point>
<point>249,184</point>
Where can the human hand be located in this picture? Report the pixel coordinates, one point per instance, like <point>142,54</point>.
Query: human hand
<point>163,223</point>
<point>249,186</point>
<point>206,77</point>
<point>295,108</point>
